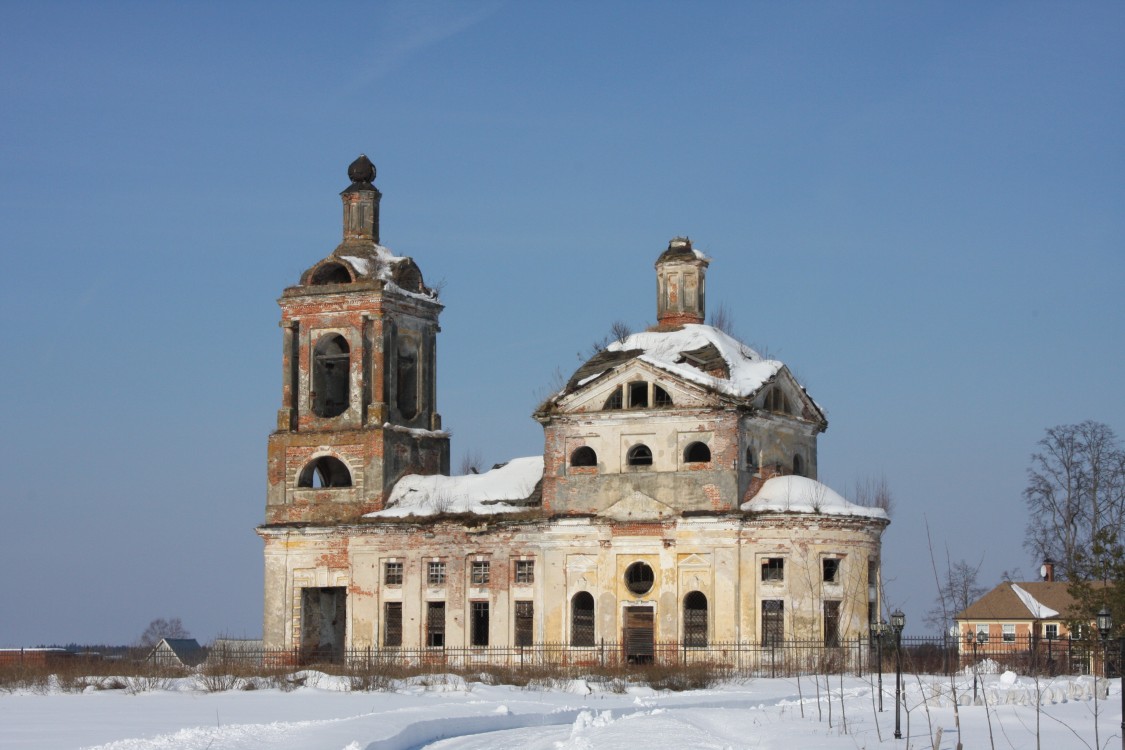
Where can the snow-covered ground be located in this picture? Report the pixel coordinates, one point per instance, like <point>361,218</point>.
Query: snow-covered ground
<point>446,712</point>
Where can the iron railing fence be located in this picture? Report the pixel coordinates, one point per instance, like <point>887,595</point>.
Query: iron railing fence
<point>860,656</point>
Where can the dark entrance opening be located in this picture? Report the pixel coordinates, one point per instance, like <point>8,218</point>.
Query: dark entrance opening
<point>323,616</point>
<point>330,377</point>
<point>638,635</point>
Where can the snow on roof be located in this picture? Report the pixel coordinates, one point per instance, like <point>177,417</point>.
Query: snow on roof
<point>803,495</point>
<point>488,493</point>
<point>1038,609</point>
<point>664,349</point>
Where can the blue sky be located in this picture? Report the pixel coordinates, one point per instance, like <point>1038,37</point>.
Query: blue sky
<point>917,206</point>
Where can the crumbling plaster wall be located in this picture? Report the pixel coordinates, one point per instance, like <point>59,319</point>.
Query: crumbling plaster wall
<point>719,556</point>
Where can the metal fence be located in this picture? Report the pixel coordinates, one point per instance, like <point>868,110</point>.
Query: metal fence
<point>931,655</point>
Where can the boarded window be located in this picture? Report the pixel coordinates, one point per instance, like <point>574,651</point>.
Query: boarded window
<point>582,619</point>
<point>584,456</point>
<point>435,574</point>
<point>325,472</point>
<point>614,401</point>
<point>478,623</point>
<point>830,570</point>
<point>392,574</point>
<point>392,624</point>
<point>480,573</point>
<point>773,569</point>
<point>525,571</point>
<point>639,455</point>
<point>660,397</point>
<point>695,620</point>
<point>330,377</point>
<point>435,624</point>
<point>638,395</point>
<point>697,453</point>
<point>525,623</point>
<point>773,622</point>
<point>638,635</point>
<point>832,623</point>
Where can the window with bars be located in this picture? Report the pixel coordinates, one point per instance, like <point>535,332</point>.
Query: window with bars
<point>479,573</point>
<point>435,573</point>
<point>435,624</point>
<point>525,623</point>
<point>392,624</point>
<point>695,620</point>
<point>773,569</point>
<point>773,622</point>
<point>525,571</point>
<point>582,619</point>
<point>478,623</point>
<point>392,573</point>
<point>832,623</point>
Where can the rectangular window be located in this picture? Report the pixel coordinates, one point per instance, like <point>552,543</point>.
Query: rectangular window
<point>392,573</point>
<point>638,395</point>
<point>1051,632</point>
<point>773,622</point>
<point>435,574</point>
<point>392,624</point>
<point>480,573</point>
<point>830,570</point>
<point>435,624</point>
<point>525,623</point>
<point>832,623</point>
<point>982,632</point>
<point>525,571</point>
<point>478,623</point>
<point>1009,632</point>
<point>773,569</point>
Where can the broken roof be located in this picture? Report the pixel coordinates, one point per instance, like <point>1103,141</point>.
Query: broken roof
<point>698,353</point>
<point>507,488</point>
<point>794,494</point>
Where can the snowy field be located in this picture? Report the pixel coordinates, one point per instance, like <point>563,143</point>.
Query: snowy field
<point>446,712</point>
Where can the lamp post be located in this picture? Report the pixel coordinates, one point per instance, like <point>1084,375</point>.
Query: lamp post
<point>898,622</point>
<point>1105,625</point>
<point>878,630</point>
<point>978,641</point>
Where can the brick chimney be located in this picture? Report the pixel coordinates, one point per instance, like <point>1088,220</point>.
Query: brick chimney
<point>1048,570</point>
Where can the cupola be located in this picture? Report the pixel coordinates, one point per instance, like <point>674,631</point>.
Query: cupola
<point>681,273</point>
<point>361,202</point>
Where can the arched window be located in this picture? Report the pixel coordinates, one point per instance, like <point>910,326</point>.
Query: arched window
<point>331,273</point>
<point>639,455</point>
<point>325,472</point>
<point>697,453</point>
<point>330,377</point>
<point>584,456</point>
<point>615,400</point>
<point>582,619</point>
<point>751,458</point>
<point>660,397</point>
<point>639,578</point>
<point>695,619</point>
<point>798,465</point>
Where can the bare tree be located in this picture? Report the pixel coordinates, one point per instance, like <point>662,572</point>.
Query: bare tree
<point>471,461</point>
<point>957,589</point>
<point>874,492</point>
<point>618,331</point>
<point>161,628</point>
<point>722,319</point>
<point>1075,491</point>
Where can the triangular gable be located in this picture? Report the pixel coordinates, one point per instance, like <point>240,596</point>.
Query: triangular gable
<point>694,561</point>
<point>637,506</point>
<point>591,396</point>
<point>803,407</point>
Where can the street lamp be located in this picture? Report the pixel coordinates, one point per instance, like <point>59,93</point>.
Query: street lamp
<point>898,622</point>
<point>978,641</point>
<point>878,631</point>
<point>1105,625</point>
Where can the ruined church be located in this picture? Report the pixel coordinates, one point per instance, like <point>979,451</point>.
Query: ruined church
<point>675,501</point>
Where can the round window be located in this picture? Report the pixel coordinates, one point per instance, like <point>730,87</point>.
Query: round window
<point>639,578</point>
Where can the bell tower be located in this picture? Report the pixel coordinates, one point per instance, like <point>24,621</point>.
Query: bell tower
<point>359,374</point>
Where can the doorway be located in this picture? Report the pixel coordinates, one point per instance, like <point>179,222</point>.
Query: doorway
<point>638,635</point>
<point>323,617</point>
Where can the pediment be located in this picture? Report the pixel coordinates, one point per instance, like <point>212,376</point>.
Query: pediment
<point>800,404</point>
<point>637,506</point>
<point>695,561</point>
<point>592,396</point>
